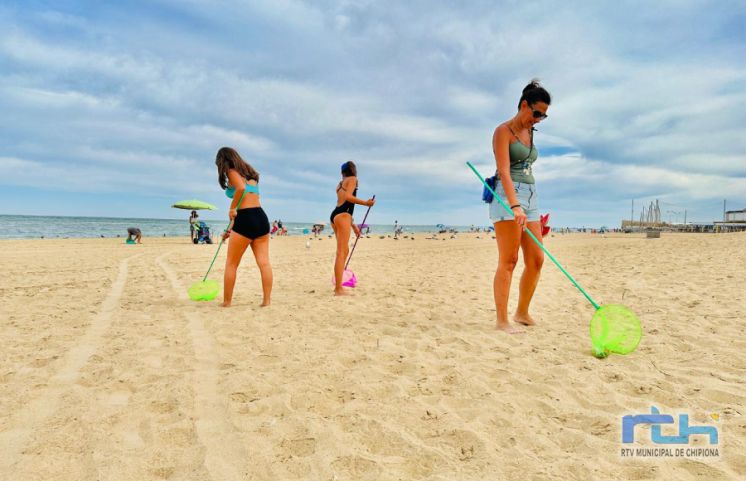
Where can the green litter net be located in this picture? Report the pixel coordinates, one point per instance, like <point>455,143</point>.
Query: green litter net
<point>205,290</point>
<point>614,328</point>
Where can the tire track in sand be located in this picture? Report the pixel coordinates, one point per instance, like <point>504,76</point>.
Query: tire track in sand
<point>225,458</point>
<point>24,421</point>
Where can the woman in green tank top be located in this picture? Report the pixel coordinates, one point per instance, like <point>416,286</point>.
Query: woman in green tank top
<point>515,154</point>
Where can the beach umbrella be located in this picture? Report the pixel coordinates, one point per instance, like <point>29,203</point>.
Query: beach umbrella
<point>613,327</point>
<point>193,204</point>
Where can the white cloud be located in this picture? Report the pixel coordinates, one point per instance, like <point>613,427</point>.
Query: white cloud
<point>409,90</point>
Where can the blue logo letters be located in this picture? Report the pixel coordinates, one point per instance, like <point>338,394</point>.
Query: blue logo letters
<point>656,419</point>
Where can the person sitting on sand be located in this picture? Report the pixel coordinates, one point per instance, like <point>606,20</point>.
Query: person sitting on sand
<point>515,154</point>
<point>134,233</point>
<point>341,220</point>
<point>249,224</point>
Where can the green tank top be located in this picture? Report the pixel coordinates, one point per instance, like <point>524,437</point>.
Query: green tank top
<point>521,162</point>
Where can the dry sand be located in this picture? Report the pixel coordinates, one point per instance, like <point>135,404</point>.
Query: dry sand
<point>110,373</point>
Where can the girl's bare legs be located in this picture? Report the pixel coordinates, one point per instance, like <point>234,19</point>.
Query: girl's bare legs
<point>342,227</point>
<point>533,258</point>
<point>260,247</point>
<point>508,235</point>
<point>236,247</point>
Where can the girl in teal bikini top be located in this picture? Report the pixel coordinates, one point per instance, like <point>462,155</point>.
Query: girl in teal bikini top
<point>230,191</point>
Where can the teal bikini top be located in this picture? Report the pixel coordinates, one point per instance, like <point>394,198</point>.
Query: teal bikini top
<point>252,189</point>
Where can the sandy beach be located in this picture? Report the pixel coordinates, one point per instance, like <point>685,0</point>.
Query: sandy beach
<point>109,371</point>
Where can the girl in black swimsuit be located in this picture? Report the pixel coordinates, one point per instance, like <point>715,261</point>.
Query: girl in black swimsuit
<point>341,219</point>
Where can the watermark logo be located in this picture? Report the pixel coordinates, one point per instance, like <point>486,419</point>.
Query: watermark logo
<point>673,446</point>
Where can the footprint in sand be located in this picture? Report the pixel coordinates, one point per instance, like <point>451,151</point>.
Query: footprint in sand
<point>299,447</point>
<point>357,468</point>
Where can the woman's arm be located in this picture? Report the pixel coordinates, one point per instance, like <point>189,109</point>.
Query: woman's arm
<point>501,149</point>
<point>348,184</point>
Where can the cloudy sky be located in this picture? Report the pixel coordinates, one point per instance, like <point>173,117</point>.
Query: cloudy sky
<point>117,108</point>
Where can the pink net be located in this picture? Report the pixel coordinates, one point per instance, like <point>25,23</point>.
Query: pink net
<point>348,279</point>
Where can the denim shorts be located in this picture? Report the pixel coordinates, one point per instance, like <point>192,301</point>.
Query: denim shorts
<point>527,197</point>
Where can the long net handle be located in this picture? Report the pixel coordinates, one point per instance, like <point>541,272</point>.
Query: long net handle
<point>358,237</point>
<point>528,231</point>
<point>222,240</point>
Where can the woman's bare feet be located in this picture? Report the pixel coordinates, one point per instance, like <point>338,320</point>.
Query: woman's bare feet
<point>225,304</point>
<point>509,328</point>
<point>342,292</point>
<point>264,303</point>
<point>524,319</point>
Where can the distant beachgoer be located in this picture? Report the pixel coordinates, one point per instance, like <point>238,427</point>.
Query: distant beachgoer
<point>274,227</point>
<point>193,223</point>
<point>515,154</point>
<point>341,219</point>
<point>134,233</point>
<point>249,224</point>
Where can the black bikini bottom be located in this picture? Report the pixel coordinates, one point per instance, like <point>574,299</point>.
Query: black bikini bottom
<point>251,222</point>
<point>346,208</point>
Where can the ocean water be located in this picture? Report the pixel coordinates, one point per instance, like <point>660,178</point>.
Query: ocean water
<point>29,227</point>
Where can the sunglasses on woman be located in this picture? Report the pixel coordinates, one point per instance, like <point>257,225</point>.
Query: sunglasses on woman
<point>538,114</point>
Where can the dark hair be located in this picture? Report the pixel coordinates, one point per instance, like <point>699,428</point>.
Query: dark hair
<point>534,92</point>
<point>349,169</point>
<point>227,159</point>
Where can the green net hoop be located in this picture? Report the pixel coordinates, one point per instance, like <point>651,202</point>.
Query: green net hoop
<point>614,328</point>
<point>205,290</point>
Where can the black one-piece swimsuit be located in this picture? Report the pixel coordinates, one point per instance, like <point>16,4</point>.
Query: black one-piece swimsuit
<point>346,206</point>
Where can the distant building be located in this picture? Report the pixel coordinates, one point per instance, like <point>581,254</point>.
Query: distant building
<point>735,216</point>
<point>735,221</point>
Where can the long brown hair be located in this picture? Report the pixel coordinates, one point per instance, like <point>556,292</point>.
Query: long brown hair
<point>227,159</point>
<point>349,169</point>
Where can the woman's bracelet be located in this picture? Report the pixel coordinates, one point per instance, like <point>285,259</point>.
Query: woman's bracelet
<point>514,206</point>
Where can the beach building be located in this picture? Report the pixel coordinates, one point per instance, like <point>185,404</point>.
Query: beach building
<point>735,221</point>
<point>735,216</point>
